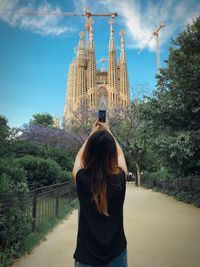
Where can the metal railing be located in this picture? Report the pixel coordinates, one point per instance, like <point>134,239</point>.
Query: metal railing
<point>190,184</point>
<point>40,203</point>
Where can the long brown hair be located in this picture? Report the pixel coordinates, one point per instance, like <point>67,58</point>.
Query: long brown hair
<point>100,158</point>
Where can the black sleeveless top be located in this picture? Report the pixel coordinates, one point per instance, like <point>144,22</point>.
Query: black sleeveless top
<point>100,238</point>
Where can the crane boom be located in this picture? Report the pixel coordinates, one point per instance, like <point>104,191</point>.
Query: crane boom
<point>146,43</point>
<point>159,28</point>
<point>86,14</point>
<point>156,34</point>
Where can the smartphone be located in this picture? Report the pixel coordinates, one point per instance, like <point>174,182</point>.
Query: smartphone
<point>102,115</point>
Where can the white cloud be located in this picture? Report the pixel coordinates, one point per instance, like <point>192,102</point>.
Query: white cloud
<point>140,20</point>
<point>17,15</point>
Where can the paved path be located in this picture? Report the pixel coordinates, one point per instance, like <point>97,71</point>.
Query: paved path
<point>160,232</point>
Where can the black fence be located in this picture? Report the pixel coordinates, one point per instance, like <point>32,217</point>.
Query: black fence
<point>40,203</point>
<point>190,184</point>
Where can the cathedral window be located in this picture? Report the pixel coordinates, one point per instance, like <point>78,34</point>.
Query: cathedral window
<point>94,98</point>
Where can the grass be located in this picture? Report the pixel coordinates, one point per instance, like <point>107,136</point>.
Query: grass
<point>35,238</point>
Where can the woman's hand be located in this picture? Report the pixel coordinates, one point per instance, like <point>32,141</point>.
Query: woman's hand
<point>100,125</point>
<point>105,126</point>
<point>95,127</point>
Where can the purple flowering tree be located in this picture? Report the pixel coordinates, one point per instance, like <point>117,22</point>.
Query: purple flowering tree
<point>59,138</point>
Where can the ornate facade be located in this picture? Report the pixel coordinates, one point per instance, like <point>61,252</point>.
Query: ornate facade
<point>90,89</point>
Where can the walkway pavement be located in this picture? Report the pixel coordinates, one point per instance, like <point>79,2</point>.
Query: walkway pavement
<point>160,232</point>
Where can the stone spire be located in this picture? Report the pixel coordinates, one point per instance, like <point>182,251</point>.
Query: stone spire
<point>81,64</point>
<point>81,53</point>
<point>91,70</point>
<point>111,41</point>
<point>71,96</point>
<point>56,122</point>
<point>124,83</point>
<point>122,54</point>
<point>112,70</point>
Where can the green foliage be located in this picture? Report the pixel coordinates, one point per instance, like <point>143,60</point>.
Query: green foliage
<point>43,119</point>
<point>4,135</point>
<point>163,173</point>
<point>12,176</point>
<point>130,162</point>
<point>131,133</point>
<point>42,171</point>
<point>13,192</point>
<point>64,158</point>
<point>4,129</point>
<point>14,225</point>
<point>21,148</point>
<point>150,161</point>
<point>68,175</point>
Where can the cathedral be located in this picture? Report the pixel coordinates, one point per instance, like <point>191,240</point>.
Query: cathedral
<point>89,89</point>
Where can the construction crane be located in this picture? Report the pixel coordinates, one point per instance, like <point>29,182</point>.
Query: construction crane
<point>156,35</point>
<point>103,59</point>
<point>87,15</point>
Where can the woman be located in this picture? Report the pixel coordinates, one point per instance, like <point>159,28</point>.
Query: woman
<point>100,173</point>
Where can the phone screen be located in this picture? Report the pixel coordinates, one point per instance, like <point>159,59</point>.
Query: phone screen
<point>102,115</point>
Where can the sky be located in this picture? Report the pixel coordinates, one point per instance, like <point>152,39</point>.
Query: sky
<point>35,50</point>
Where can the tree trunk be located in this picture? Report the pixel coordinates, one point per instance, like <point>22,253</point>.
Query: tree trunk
<point>137,163</point>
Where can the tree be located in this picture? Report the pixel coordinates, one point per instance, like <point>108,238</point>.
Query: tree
<point>4,136</point>
<point>131,134</point>
<point>43,119</point>
<point>174,110</point>
<point>46,136</point>
<point>81,121</point>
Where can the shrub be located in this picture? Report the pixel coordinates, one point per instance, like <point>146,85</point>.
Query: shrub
<point>68,175</point>
<point>12,176</point>
<point>21,148</point>
<point>61,156</point>
<point>160,174</point>
<point>13,195</point>
<point>42,171</point>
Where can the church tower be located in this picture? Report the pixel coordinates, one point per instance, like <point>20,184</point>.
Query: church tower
<point>123,74</point>
<point>71,96</point>
<point>56,122</point>
<point>81,65</point>
<point>91,71</point>
<point>112,71</point>
<point>89,89</point>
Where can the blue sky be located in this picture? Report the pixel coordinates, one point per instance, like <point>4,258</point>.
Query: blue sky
<point>36,51</point>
